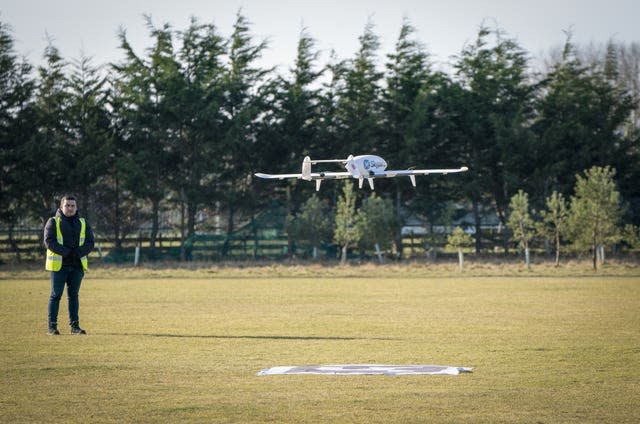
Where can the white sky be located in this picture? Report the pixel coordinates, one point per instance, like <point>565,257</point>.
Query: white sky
<point>443,26</point>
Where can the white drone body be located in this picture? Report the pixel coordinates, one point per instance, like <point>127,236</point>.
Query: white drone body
<point>359,167</point>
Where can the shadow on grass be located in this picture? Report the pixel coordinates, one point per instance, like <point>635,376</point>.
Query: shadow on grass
<point>196,336</point>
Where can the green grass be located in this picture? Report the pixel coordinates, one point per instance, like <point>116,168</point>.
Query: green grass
<point>186,347</point>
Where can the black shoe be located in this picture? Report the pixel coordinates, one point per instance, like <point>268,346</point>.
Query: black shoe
<point>53,330</point>
<point>75,329</point>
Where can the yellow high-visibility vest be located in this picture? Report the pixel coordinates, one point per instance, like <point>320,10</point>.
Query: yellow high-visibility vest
<point>54,261</point>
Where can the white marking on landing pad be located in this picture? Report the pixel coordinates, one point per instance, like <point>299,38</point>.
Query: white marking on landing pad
<point>362,369</point>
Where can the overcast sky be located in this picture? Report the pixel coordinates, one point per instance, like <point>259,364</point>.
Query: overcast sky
<point>443,26</point>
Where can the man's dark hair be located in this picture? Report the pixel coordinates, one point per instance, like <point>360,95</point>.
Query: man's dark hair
<point>67,197</point>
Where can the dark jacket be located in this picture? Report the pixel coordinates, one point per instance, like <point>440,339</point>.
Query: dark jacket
<point>70,228</point>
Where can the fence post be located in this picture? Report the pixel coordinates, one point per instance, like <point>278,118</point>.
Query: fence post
<point>378,253</point>
<point>136,255</point>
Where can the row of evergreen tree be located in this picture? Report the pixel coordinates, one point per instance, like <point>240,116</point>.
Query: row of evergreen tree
<point>185,124</point>
<point>590,221</point>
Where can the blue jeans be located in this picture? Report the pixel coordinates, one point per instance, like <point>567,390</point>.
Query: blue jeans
<point>72,277</point>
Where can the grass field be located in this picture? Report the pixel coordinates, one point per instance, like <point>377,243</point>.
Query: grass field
<point>186,346</point>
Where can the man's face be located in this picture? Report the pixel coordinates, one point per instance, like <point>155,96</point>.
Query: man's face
<point>69,207</point>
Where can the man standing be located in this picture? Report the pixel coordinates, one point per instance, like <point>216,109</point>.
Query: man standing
<point>68,239</point>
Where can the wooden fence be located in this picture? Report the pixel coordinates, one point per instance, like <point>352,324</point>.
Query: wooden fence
<point>26,245</point>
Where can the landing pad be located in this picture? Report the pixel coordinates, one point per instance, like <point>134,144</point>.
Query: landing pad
<point>366,369</point>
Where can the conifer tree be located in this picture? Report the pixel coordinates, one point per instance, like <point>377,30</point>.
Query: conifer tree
<point>595,212</point>
<point>496,106</point>
<point>578,124</point>
<point>197,94</point>
<point>408,77</point>
<point>458,240</point>
<point>293,127</point>
<point>243,104</point>
<point>16,120</point>
<point>521,223</point>
<point>313,224</point>
<point>346,233</point>
<point>91,143</point>
<point>50,142</point>
<point>358,108</point>
<point>377,224</point>
<point>146,119</point>
<point>554,221</point>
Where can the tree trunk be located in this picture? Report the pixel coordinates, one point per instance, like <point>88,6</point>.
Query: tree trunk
<point>192,209</point>
<point>505,236</point>
<point>594,246</point>
<point>256,242</point>
<point>398,242</point>
<point>460,259</point>
<point>117,220</point>
<point>183,255</point>
<point>14,244</point>
<point>600,255</point>
<point>477,222</point>
<point>289,209</point>
<point>227,240</point>
<point>155,223</point>
<point>343,257</point>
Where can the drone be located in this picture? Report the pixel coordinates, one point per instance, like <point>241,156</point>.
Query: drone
<point>359,167</point>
